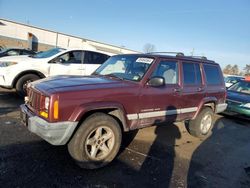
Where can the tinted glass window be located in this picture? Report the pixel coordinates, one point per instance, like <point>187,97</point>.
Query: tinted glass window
<point>95,58</point>
<point>74,57</point>
<point>189,73</point>
<point>198,73</point>
<point>213,74</point>
<point>242,87</point>
<point>128,67</point>
<point>48,53</point>
<point>167,70</point>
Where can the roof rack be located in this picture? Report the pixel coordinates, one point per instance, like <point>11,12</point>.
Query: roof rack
<point>177,53</point>
<point>199,57</point>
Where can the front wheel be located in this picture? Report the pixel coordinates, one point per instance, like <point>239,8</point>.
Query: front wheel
<point>21,85</point>
<point>202,125</point>
<point>96,142</point>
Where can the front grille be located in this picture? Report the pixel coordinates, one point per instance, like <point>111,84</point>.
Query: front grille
<point>34,100</point>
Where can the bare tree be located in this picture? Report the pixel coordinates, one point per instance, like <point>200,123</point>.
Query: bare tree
<point>247,69</point>
<point>235,70</point>
<point>147,48</point>
<point>227,69</point>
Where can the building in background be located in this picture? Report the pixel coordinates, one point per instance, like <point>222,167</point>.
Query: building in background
<point>13,34</point>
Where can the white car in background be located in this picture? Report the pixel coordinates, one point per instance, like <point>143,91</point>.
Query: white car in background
<point>17,71</point>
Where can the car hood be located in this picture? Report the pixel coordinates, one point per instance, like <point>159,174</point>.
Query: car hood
<point>67,83</point>
<point>15,58</point>
<point>237,96</point>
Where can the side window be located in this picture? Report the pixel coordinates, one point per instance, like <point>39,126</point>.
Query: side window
<point>191,73</point>
<point>13,52</point>
<point>188,73</point>
<point>168,70</point>
<point>95,58</point>
<point>74,57</point>
<point>213,74</point>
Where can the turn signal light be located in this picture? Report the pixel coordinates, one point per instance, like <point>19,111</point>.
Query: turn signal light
<point>56,108</point>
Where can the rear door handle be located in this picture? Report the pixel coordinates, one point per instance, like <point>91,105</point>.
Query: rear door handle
<point>200,89</point>
<point>177,90</point>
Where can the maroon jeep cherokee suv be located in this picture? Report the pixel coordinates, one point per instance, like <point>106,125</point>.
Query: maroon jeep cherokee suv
<point>127,92</point>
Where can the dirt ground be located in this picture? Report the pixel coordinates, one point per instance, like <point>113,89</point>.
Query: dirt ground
<point>163,156</point>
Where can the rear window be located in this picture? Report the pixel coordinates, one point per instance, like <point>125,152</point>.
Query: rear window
<point>213,74</point>
<point>192,74</point>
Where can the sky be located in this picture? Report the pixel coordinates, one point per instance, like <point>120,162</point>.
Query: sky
<point>219,30</point>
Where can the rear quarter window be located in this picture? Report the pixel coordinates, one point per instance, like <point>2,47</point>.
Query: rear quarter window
<point>213,74</point>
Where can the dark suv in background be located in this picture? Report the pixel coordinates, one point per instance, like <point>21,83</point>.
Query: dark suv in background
<point>127,92</point>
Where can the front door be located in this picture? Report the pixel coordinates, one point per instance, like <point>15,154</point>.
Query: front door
<point>69,63</point>
<point>160,104</point>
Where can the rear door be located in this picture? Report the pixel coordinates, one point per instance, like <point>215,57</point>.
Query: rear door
<point>92,60</point>
<point>215,86</point>
<point>193,89</point>
<point>69,63</point>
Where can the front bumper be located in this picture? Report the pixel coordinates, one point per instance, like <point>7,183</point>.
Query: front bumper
<point>5,78</point>
<point>220,107</point>
<point>55,133</point>
<point>234,109</point>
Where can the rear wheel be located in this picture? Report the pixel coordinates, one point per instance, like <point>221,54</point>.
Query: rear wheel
<point>201,126</point>
<point>21,85</point>
<point>96,142</point>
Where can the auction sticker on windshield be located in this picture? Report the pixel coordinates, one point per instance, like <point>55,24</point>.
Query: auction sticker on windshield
<point>144,60</point>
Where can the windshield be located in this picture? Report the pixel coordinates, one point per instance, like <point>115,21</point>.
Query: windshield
<point>242,87</point>
<point>128,67</point>
<point>232,79</point>
<point>48,53</point>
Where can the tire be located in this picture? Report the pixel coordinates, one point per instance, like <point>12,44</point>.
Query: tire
<point>202,125</point>
<point>99,132</point>
<point>22,83</point>
<point>128,137</point>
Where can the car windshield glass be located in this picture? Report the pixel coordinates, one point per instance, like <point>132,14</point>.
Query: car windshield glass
<point>128,67</point>
<point>242,87</point>
<point>232,79</point>
<point>4,50</point>
<point>48,53</point>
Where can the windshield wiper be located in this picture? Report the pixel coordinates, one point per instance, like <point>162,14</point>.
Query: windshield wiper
<point>113,76</point>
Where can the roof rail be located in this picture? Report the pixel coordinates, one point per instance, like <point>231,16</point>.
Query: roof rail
<point>177,53</point>
<point>199,57</point>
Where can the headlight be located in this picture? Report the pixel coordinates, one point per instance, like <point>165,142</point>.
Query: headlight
<point>45,111</point>
<point>7,63</point>
<point>247,105</point>
<point>46,104</point>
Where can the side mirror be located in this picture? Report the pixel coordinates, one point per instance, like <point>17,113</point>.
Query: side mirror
<point>156,81</point>
<point>56,61</point>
